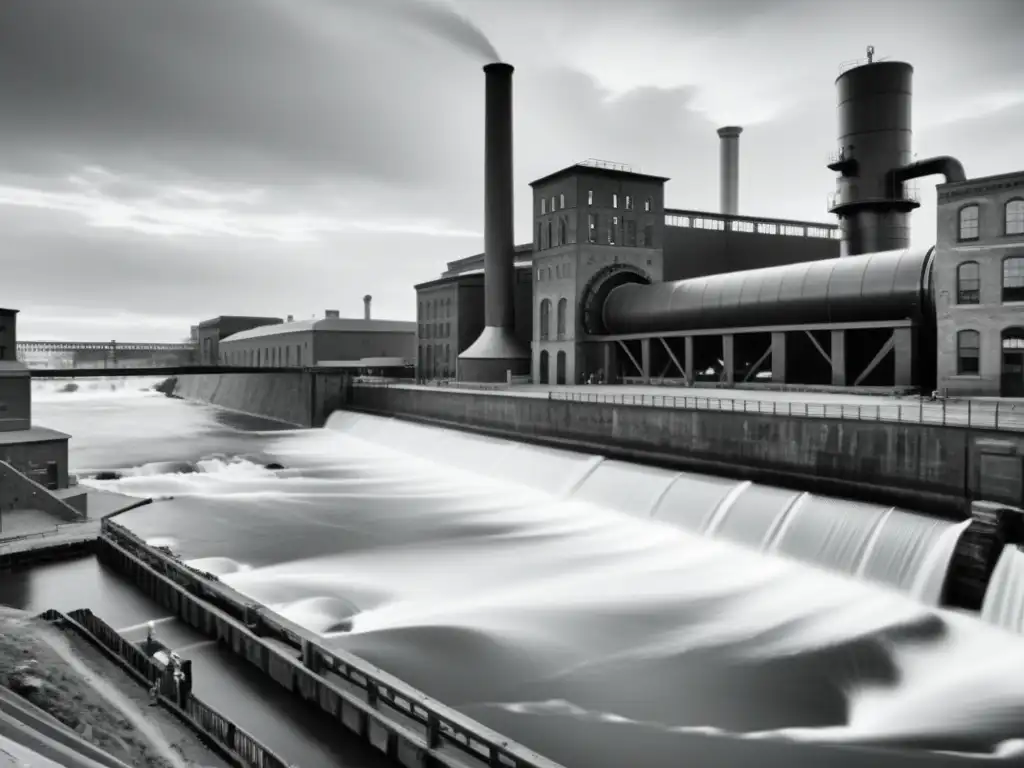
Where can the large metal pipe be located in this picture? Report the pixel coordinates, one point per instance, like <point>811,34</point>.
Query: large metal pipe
<point>497,351</point>
<point>729,170</point>
<point>943,165</point>
<point>367,300</point>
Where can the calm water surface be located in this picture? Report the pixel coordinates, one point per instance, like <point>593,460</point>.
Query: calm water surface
<point>594,611</point>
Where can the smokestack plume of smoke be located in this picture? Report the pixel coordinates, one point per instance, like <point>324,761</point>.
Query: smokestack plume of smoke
<point>729,179</point>
<point>444,21</point>
<point>367,299</point>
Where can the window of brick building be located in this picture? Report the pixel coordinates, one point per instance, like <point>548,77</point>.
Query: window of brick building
<point>1013,223</point>
<point>968,283</point>
<point>968,221</point>
<point>1013,278</point>
<point>968,353</point>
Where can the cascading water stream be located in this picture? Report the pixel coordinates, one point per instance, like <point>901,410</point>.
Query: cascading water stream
<point>884,545</point>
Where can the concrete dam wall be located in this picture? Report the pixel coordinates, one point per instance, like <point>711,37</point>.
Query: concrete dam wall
<point>936,469</point>
<point>303,398</point>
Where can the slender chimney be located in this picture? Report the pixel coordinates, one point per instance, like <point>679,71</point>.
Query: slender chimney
<point>367,299</point>
<point>729,179</point>
<point>499,236</point>
<point>497,351</point>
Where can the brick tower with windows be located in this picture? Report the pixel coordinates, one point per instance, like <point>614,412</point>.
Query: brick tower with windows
<point>594,223</point>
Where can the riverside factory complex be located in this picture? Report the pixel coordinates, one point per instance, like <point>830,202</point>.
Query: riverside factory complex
<point>618,288</point>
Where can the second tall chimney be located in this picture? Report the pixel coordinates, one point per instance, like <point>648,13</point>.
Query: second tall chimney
<point>367,299</point>
<point>729,179</point>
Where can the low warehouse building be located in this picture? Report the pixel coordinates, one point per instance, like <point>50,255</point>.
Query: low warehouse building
<point>327,339</point>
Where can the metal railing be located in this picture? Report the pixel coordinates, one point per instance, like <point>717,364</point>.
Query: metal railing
<point>972,414</point>
<point>947,413</point>
<point>246,750</point>
<point>442,727</point>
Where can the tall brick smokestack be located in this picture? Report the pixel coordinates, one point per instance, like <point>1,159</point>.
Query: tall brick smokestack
<point>497,351</point>
<point>729,171</point>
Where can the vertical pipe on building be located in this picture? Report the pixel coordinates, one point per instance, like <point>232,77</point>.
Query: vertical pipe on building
<point>367,299</point>
<point>729,169</point>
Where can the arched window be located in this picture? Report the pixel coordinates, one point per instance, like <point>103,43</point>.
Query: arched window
<point>968,223</point>
<point>545,319</point>
<point>539,245</point>
<point>1013,278</point>
<point>560,368</point>
<point>561,201</point>
<point>968,353</point>
<point>1013,223</point>
<point>561,230</point>
<point>543,375</point>
<point>968,283</point>
<point>563,305</point>
<point>551,240</point>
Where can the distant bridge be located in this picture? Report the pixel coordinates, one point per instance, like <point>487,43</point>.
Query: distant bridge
<point>163,370</point>
<point>101,346</point>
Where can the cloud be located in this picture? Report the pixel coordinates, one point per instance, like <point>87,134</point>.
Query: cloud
<point>106,201</point>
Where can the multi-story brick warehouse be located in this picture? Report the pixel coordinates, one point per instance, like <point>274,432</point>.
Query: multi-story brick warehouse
<point>587,216</point>
<point>979,286</point>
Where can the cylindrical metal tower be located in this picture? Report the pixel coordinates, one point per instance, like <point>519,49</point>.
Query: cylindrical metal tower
<point>875,138</point>
<point>497,350</point>
<point>729,169</point>
<point>367,301</point>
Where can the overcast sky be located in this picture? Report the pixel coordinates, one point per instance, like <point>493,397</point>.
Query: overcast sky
<point>166,161</point>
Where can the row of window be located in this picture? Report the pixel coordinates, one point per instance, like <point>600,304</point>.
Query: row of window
<point>549,236</point>
<point>268,357</point>
<point>614,235</point>
<point>968,348</point>
<point>435,308</point>
<point>968,281</point>
<point>970,220</point>
<point>560,200</point>
<point>545,319</point>
<point>760,227</point>
<point>435,330</point>
<point>436,360</point>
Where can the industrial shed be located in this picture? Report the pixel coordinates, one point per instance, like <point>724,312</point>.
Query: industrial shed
<point>319,340</point>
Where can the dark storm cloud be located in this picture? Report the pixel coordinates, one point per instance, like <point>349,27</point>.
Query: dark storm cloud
<point>261,90</point>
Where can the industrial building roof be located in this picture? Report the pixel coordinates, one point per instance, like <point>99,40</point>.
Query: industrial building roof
<point>598,170</point>
<point>325,325</point>
<point>221,318</point>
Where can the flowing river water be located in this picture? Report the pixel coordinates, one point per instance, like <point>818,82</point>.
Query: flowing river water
<point>603,614</point>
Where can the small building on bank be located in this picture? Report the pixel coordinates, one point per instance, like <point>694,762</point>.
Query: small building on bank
<point>38,453</point>
<point>319,340</point>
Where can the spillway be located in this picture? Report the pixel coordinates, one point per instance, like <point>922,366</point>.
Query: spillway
<point>1004,600</point>
<point>884,545</point>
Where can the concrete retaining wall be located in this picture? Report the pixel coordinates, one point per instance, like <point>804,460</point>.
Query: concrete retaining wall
<point>280,396</point>
<point>935,469</point>
<point>303,398</point>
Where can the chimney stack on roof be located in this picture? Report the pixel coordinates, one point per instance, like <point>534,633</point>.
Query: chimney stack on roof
<point>367,300</point>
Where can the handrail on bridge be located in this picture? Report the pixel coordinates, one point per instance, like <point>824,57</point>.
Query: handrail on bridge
<point>967,414</point>
<point>442,726</point>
